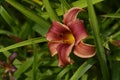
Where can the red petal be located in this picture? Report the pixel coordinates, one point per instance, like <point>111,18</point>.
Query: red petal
<point>78,30</point>
<point>63,54</point>
<point>52,47</point>
<point>84,50</point>
<point>56,31</point>
<point>71,14</point>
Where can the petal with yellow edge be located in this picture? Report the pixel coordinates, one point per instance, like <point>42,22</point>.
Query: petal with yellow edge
<point>71,15</point>
<point>52,47</point>
<point>64,51</point>
<point>84,50</point>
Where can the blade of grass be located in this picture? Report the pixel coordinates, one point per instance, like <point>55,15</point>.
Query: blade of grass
<point>9,20</point>
<point>51,12</point>
<point>107,21</point>
<point>112,16</point>
<point>35,4</point>
<point>44,25</point>
<point>67,6</point>
<point>115,34</point>
<point>67,76</point>
<point>23,67</point>
<point>5,32</point>
<point>62,73</point>
<point>26,30</point>
<point>113,29</point>
<point>84,77</point>
<point>38,2</point>
<point>77,3</point>
<point>7,54</point>
<point>114,61</point>
<point>83,3</point>
<point>83,68</point>
<point>98,42</point>
<point>115,70</point>
<point>35,66</point>
<point>23,43</point>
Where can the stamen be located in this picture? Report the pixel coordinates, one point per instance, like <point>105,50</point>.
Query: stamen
<point>68,38</point>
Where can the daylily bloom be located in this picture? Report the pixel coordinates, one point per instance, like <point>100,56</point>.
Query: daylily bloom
<point>9,67</point>
<point>62,37</point>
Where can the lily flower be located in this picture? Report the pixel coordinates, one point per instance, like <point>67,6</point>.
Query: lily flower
<point>63,37</point>
<point>9,67</point>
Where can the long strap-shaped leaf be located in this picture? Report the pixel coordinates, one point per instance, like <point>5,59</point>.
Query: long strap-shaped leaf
<point>31,15</point>
<point>83,68</point>
<point>100,49</point>
<point>25,65</point>
<point>83,3</point>
<point>9,20</point>
<point>23,43</point>
<point>51,12</point>
<point>64,2</point>
<point>63,72</point>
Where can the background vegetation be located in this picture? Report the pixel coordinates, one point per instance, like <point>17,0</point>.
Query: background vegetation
<point>24,23</point>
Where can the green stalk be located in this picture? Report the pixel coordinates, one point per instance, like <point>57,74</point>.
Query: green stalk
<point>35,62</point>
<point>51,12</point>
<point>24,43</point>
<point>100,50</point>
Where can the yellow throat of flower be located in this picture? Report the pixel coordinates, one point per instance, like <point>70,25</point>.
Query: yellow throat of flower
<point>68,38</point>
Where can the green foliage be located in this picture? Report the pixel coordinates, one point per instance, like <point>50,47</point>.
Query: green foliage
<point>24,24</point>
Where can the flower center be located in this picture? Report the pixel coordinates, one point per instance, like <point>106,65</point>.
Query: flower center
<point>68,38</point>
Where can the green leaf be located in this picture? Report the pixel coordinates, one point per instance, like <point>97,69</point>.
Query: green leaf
<point>78,3</point>
<point>35,61</point>
<point>114,60</point>
<point>26,30</point>
<point>83,68</point>
<point>83,3</point>
<point>67,6</point>
<point>115,70</point>
<point>44,25</point>
<point>52,14</point>
<point>5,32</point>
<point>115,51</point>
<point>84,77</point>
<point>107,22</point>
<point>98,42</point>
<point>23,67</point>
<point>23,43</point>
<point>62,73</point>
<point>39,30</point>
<point>111,15</point>
<point>9,20</point>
